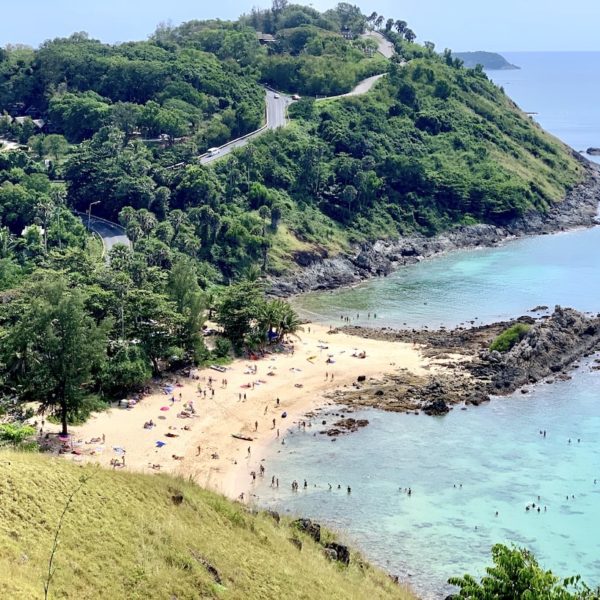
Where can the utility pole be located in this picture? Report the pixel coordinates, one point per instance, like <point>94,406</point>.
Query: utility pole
<point>90,212</point>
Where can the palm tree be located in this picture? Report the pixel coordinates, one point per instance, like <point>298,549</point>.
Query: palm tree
<point>400,26</point>
<point>147,221</point>
<point>7,242</point>
<point>126,215</point>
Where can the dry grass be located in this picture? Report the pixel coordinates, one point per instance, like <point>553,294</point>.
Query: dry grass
<point>125,538</point>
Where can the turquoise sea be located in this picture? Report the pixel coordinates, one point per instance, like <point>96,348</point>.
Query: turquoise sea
<point>495,451</point>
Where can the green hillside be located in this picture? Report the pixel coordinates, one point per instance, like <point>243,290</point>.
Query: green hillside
<point>127,537</point>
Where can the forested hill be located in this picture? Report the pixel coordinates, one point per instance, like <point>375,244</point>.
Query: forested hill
<point>433,145</point>
<point>488,60</point>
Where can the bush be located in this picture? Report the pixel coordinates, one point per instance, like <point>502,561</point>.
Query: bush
<point>509,338</point>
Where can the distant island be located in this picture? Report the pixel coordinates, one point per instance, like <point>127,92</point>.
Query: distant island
<point>489,60</point>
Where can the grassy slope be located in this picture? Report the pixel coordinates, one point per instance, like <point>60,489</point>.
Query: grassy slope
<point>124,538</point>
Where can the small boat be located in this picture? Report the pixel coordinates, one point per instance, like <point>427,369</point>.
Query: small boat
<point>239,436</point>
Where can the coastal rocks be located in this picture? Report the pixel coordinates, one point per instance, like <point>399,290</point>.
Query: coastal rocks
<point>342,553</point>
<point>437,407</point>
<point>318,271</point>
<point>471,373</point>
<point>309,527</point>
<point>274,515</point>
<point>549,347</point>
<point>348,425</point>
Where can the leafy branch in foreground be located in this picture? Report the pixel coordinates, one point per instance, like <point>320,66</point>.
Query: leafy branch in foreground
<point>516,575</point>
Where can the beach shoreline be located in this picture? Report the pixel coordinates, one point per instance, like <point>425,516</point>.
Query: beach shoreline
<point>202,447</point>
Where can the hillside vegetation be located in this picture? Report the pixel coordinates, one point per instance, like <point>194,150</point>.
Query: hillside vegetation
<point>433,145</point>
<point>131,537</point>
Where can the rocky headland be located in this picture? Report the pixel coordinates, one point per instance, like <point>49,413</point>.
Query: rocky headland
<point>317,270</point>
<point>547,352</point>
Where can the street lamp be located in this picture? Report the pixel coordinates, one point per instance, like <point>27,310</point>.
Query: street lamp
<point>90,211</point>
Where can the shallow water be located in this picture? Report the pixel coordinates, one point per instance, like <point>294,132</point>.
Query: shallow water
<point>497,454</point>
<point>489,284</point>
<point>495,450</point>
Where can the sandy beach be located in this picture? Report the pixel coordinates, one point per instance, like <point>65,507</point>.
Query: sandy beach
<point>202,447</point>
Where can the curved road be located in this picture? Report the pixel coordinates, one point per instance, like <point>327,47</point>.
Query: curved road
<point>277,105</point>
<point>384,46</point>
<point>111,233</point>
<point>276,117</point>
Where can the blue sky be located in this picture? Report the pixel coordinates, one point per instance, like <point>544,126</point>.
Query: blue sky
<point>457,24</point>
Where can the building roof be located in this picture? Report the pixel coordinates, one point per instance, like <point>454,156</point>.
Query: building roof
<point>265,37</point>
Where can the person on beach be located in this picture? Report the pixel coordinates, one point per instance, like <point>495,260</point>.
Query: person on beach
<point>277,482</point>
<point>274,421</point>
<point>273,481</point>
<point>255,425</point>
<point>198,450</point>
<point>278,433</point>
<point>249,451</point>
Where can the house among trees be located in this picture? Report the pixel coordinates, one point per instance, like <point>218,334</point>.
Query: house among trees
<point>348,34</point>
<point>39,123</point>
<point>265,38</point>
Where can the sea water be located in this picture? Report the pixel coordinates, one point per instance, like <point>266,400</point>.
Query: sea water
<point>462,469</point>
<point>495,451</point>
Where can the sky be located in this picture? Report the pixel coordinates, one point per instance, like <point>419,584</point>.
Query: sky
<point>494,25</point>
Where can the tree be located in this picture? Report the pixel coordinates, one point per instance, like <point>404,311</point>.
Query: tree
<point>379,21</point>
<point>54,347</point>
<point>400,26</point>
<point>55,145</point>
<point>127,370</point>
<point>153,320</point>
<point>409,35</point>
<point>516,575</point>
<point>237,309</point>
<point>388,25</point>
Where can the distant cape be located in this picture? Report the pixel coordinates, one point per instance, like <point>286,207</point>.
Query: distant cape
<point>488,60</point>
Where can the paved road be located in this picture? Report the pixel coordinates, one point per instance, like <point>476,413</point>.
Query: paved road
<point>362,88</point>
<point>111,233</point>
<point>276,117</point>
<point>385,47</point>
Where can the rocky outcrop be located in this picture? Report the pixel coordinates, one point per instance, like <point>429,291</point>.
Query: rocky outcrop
<point>593,151</point>
<point>342,553</point>
<point>551,346</point>
<point>471,373</point>
<point>309,527</point>
<point>317,271</point>
<point>348,425</point>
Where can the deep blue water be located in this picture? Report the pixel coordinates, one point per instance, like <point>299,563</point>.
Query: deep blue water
<point>495,450</point>
<point>563,88</point>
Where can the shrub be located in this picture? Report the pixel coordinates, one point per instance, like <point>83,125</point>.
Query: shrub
<point>507,339</point>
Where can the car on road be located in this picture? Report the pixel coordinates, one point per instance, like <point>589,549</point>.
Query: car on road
<point>276,96</point>
<point>295,97</point>
<point>213,151</point>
